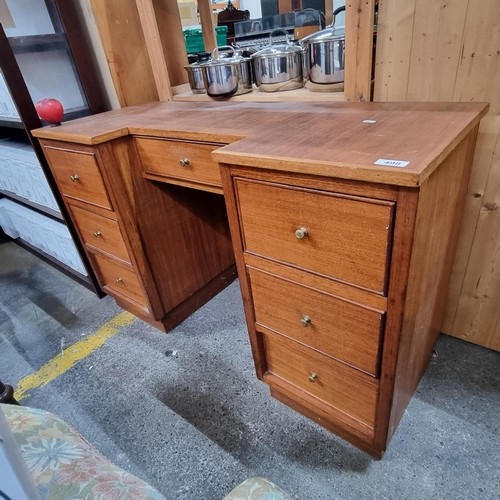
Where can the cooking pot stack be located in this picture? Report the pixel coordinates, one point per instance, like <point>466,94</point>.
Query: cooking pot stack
<point>277,67</point>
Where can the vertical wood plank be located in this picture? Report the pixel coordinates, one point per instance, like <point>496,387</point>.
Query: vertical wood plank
<point>436,48</point>
<point>486,143</point>
<point>154,47</point>
<point>473,313</point>
<point>449,50</point>
<point>394,42</point>
<point>123,41</point>
<point>359,49</point>
<point>169,24</point>
<point>207,24</point>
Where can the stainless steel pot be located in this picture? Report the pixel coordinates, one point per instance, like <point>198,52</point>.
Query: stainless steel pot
<point>278,67</point>
<point>325,53</point>
<point>195,74</point>
<point>225,76</point>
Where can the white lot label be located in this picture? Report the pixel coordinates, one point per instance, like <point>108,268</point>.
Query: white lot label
<point>392,163</point>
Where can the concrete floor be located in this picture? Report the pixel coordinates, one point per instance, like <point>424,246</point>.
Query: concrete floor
<point>185,412</point>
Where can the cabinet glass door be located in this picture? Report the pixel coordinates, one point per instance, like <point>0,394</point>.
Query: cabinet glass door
<point>42,53</point>
<point>8,110</point>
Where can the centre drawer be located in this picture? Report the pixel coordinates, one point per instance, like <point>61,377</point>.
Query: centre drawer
<point>78,176</point>
<point>186,161</point>
<point>339,236</point>
<point>100,232</point>
<point>348,390</point>
<point>339,328</point>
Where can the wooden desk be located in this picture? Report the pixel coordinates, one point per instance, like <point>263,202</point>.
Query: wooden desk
<point>344,220</point>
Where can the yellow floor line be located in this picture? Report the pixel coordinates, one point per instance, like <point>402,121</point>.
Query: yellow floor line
<point>71,355</point>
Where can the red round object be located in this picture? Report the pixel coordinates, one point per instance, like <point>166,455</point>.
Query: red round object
<point>50,110</point>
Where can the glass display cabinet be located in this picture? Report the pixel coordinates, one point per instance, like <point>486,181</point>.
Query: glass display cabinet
<point>44,54</point>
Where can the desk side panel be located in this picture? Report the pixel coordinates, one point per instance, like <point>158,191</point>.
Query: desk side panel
<point>439,213</point>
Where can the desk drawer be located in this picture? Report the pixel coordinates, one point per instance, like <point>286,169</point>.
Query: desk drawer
<point>339,236</point>
<point>78,176</point>
<point>100,232</point>
<point>119,279</point>
<point>185,161</point>
<point>346,389</point>
<point>346,331</point>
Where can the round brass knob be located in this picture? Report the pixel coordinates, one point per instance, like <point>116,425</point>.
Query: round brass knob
<point>301,232</point>
<point>184,162</point>
<point>313,377</point>
<point>305,321</point>
<point>97,234</point>
<point>119,280</point>
<point>74,178</point>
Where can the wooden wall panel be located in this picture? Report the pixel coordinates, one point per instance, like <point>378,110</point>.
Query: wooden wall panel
<point>449,50</point>
<point>437,34</point>
<point>394,41</point>
<point>124,45</point>
<point>153,42</point>
<point>359,48</point>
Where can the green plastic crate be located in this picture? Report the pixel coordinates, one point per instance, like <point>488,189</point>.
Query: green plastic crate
<point>193,38</point>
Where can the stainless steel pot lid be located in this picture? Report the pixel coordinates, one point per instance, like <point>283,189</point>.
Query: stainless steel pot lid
<point>203,57</point>
<point>223,58</point>
<point>277,49</point>
<point>329,34</point>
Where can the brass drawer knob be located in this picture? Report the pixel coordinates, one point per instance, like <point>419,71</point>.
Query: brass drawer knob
<point>301,233</point>
<point>184,162</point>
<point>74,178</point>
<point>119,280</point>
<point>305,321</point>
<point>97,234</point>
<point>313,377</point>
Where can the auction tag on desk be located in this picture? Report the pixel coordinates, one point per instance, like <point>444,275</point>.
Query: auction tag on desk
<point>392,163</point>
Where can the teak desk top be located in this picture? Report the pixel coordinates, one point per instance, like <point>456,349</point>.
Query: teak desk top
<point>342,140</point>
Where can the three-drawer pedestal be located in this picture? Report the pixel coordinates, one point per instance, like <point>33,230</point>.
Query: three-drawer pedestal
<point>147,242</point>
<point>344,287</point>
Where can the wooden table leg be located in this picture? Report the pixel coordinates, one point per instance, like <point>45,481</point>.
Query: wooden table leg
<point>7,394</point>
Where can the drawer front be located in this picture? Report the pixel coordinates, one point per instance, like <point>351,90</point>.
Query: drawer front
<point>343,237</point>
<point>119,279</point>
<point>346,389</point>
<point>100,232</point>
<point>338,328</point>
<point>78,176</point>
<point>185,161</point>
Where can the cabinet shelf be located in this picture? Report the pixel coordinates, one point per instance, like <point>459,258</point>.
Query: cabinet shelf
<point>11,122</point>
<point>54,214</point>
<point>38,43</point>
<point>68,271</point>
<point>183,93</point>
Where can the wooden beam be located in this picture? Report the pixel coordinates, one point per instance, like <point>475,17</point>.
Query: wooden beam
<point>359,18</point>
<point>172,40</point>
<point>126,53</point>
<point>207,24</point>
<point>155,50</point>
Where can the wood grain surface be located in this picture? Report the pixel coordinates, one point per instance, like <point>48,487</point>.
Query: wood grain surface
<point>434,50</point>
<point>329,139</point>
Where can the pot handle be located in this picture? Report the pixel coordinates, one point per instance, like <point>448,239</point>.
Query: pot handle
<point>313,12</point>
<point>335,13</point>
<point>279,30</point>
<point>215,52</point>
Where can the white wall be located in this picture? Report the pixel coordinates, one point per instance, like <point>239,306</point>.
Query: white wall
<point>37,23</point>
<point>253,6</point>
<point>256,11</point>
